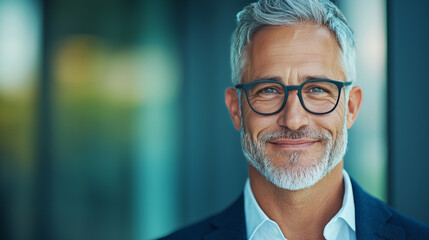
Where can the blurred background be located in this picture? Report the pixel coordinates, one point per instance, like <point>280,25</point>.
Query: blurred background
<point>113,123</point>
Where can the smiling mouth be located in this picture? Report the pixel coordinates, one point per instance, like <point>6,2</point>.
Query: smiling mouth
<point>293,143</point>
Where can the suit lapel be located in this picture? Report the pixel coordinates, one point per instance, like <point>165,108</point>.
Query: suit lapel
<point>372,216</point>
<point>230,224</point>
<point>371,220</point>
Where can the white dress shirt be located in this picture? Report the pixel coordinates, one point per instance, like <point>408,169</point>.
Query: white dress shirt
<point>260,227</point>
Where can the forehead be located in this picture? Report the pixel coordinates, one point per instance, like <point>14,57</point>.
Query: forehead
<point>294,52</point>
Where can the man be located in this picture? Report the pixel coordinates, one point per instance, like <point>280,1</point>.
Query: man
<point>294,99</point>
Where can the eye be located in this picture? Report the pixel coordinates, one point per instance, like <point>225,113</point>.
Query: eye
<point>268,90</point>
<point>320,90</point>
<point>316,89</point>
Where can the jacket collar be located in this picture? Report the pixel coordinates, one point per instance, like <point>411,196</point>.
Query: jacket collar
<point>229,224</point>
<point>372,217</point>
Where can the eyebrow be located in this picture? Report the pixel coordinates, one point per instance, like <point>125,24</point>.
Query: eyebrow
<point>300,80</point>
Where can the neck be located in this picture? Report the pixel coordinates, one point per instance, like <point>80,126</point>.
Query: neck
<point>304,213</point>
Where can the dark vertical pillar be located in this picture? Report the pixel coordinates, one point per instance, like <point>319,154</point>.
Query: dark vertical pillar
<point>43,134</point>
<point>215,168</point>
<point>408,71</point>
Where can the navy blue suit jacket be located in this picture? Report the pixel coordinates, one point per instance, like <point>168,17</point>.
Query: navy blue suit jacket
<point>374,220</point>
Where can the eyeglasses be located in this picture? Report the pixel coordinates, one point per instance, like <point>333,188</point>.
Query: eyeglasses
<point>317,96</point>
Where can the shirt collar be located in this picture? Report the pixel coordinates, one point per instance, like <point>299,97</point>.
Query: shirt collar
<point>347,211</point>
<point>255,217</point>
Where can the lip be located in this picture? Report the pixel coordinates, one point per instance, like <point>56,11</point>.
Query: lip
<point>293,143</point>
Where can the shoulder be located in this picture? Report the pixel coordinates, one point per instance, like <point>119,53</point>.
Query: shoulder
<point>375,217</point>
<point>229,224</point>
<point>413,228</point>
<point>195,231</point>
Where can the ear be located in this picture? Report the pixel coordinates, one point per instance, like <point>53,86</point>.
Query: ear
<point>232,103</point>
<point>355,99</point>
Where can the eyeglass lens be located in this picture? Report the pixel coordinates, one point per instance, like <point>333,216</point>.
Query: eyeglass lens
<point>318,97</point>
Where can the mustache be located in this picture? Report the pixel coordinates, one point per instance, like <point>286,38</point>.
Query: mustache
<point>303,132</point>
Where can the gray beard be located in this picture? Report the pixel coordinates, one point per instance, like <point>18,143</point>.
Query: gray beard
<point>292,174</point>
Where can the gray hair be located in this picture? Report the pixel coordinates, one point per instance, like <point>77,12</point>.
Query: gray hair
<point>265,13</point>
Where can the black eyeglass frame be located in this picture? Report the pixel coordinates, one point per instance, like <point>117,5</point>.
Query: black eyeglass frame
<point>246,87</point>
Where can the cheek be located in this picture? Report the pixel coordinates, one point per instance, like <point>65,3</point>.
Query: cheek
<point>341,106</point>
<point>334,121</point>
<point>254,123</point>
<point>341,111</point>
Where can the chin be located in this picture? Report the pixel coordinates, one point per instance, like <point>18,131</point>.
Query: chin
<point>295,174</point>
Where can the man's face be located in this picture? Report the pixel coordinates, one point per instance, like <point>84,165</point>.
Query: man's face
<point>294,149</point>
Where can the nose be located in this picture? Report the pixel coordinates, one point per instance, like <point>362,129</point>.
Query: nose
<point>293,115</point>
